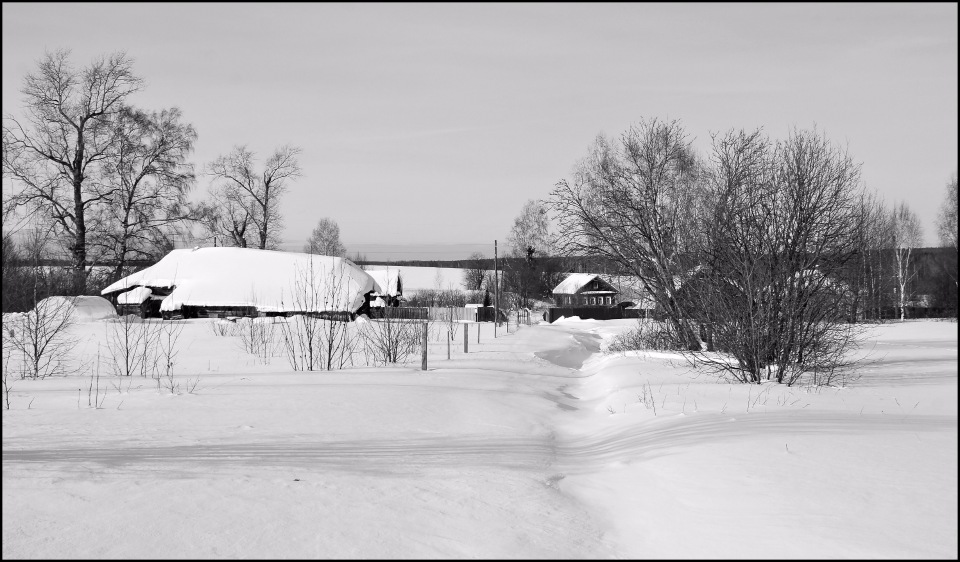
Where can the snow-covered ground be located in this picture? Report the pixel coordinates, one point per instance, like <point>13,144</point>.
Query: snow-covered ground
<point>535,444</point>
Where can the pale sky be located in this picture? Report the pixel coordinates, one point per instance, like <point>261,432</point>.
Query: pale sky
<point>434,123</point>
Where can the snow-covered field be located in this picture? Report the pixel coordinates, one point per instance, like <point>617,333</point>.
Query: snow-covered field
<point>535,444</point>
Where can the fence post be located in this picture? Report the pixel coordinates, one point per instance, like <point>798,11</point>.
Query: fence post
<point>423,365</point>
<point>466,329</point>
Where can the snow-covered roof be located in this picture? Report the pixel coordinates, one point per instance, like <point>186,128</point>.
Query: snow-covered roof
<point>387,280</point>
<point>266,279</point>
<point>134,296</point>
<point>416,278</point>
<point>573,283</point>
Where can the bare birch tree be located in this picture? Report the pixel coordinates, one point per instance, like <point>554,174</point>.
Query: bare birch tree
<point>55,151</point>
<point>906,234</point>
<point>947,217</point>
<point>246,203</point>
<point>871,281</point>
<point>325,239</point>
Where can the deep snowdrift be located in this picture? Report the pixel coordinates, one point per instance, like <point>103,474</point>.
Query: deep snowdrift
<point>534,444</point>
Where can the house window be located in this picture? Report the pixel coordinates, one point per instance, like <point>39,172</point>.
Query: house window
<point>593,300</point>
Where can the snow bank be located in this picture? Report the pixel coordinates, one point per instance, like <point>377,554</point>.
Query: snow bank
<point>265,279</point>
<point>82,309</point>
<point>567,320</point>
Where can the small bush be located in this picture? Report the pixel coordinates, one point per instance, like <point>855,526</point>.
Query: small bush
<point>649,334</point>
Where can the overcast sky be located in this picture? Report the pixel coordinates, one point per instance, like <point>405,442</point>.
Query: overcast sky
<point>434,123</point>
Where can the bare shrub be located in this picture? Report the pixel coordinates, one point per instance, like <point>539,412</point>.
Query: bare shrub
<point>7,386</point>
<point>649,334</point>
<point>391,340</point>
<point>129,345</point>
<point>42,338</point>
<point>779,230</point>
<point>318,338</point>
<point>166,335</point>
<point>224,328</point>
<point>258,337</point>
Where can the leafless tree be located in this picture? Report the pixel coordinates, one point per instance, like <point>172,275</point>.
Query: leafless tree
<point>150,178</point>
<point>906,234</point>
<point>6,374</point>
<point>130,342</point>
<point>531,229</point>
<point>779,224</point>
<point>55,152</point>
<point>870,273</point>
<point>530,247</point>
<point>631,202</point>
<point>41,336</point>
<point>475,274</point>
<point>947,218</point>
<point>325,239</point>
<point>246,203</point>
<point>165,336</point>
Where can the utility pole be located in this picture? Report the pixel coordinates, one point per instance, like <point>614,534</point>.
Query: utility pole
<point>496,290</point>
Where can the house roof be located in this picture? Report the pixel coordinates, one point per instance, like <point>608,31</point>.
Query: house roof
<point>574,282</point>
<point>134,296</point>
<point>266,279</point>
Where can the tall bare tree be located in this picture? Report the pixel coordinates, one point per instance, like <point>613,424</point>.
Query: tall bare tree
<point>246,203</point>
<point>870,277</point>
<point>906,234</point>
<point>149,178</point>
<point>54,153</point>
<point>531,244</point>
<point>947,218</point>
<point>325,239</point>
<point>631,201</point>
<point>475,274</point>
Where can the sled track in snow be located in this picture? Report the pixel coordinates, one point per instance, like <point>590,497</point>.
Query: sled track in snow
<point>571,454</point>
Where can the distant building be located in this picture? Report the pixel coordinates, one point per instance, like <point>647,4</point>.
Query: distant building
<point>389,289</point>
<point>585,289</point>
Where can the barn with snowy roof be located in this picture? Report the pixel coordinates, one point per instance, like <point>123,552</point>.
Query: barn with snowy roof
<point>211,282</point>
